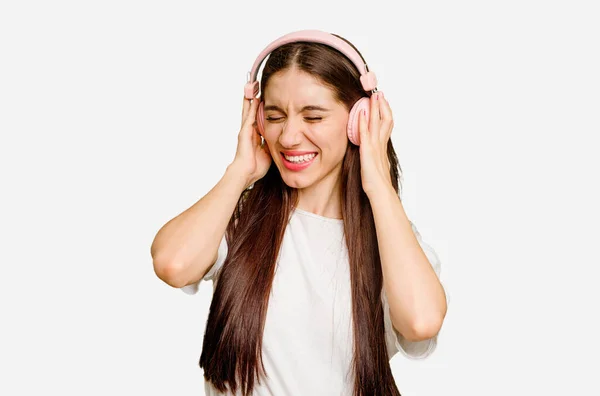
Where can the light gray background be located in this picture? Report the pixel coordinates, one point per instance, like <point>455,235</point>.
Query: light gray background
<point>115,116</point>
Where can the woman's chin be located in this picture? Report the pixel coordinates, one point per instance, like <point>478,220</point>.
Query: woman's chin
<point>294,181</point>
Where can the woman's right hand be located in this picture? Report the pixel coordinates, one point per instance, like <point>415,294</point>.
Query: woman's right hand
<point>250,158</point>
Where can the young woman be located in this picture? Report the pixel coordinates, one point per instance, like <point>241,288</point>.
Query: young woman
<point>319,277</point>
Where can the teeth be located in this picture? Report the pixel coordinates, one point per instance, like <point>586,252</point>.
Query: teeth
<point>300,158</point>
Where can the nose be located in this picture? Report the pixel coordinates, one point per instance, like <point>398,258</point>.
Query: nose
<point>291,133</point>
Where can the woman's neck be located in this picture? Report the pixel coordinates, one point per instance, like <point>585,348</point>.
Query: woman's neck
<point>322,198</point>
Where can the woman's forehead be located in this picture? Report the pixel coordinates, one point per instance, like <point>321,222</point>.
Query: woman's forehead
<point>297,81</point>
<point>297,93</point>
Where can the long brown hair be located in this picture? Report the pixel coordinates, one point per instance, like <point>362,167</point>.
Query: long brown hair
<point>232,348</point>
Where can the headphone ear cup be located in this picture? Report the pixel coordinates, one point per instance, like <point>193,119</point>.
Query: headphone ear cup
<point>260,118</point>
<point>363,103</point>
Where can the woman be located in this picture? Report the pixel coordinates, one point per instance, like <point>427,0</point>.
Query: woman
<point>319,278</point>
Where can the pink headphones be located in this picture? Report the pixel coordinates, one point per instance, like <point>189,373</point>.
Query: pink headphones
<point>367,78</point>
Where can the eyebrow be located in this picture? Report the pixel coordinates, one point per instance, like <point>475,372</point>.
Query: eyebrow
<point>309,107</point>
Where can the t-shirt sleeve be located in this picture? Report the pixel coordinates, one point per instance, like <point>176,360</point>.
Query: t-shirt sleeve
<point>395,340</point>
<point>213,272</point>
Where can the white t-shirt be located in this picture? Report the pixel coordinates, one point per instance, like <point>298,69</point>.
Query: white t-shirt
<point>308,335</point>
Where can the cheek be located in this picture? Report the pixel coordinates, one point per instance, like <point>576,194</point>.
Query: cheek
<point>335,138</point>
<point>333,150</point>
<point>269,136</point>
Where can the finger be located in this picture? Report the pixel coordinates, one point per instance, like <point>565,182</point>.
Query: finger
<point>374,117</point>
<point>245,108</point>
<point>387,119</point>
<point>248,109</point>
<point>363,128</point>
<point>258,140</point>
<point>251,116</point>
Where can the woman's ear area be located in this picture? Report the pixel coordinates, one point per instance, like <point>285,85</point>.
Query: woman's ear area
<point>260,118</point>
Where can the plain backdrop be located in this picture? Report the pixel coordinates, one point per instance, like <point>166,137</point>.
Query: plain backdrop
<point>115,116</point>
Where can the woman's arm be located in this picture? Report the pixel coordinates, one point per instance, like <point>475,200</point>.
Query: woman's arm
<point>417,299</point>
<point>185,247</point>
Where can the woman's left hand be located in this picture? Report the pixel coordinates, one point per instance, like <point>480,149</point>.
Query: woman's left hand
<point>374,137</point>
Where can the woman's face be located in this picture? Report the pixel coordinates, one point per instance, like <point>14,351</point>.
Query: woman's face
<point>305,128</point>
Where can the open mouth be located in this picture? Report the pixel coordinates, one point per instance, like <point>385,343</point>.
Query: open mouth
<point>298,162</point>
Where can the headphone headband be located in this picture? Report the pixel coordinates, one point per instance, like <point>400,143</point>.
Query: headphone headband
<point>367,78</point>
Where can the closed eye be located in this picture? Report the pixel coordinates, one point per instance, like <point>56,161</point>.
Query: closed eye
<point>306,118</point>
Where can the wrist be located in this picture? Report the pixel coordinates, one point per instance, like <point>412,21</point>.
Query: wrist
<point>236,174</point>
<point>382,194</point>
